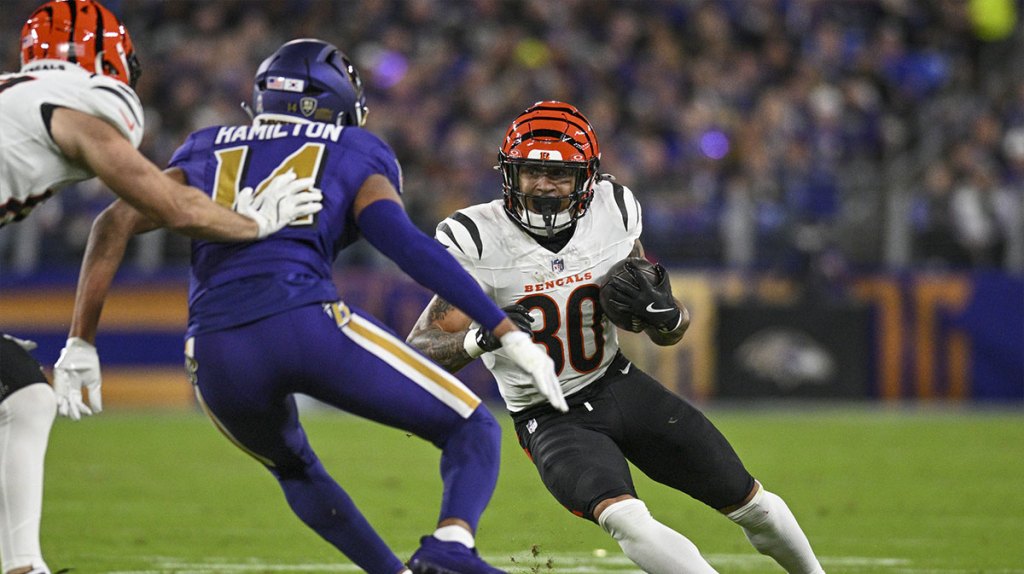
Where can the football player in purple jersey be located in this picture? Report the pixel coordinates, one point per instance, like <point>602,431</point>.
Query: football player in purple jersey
<point>266,321</point>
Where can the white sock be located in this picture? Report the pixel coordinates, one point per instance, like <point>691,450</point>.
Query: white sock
<point>655,548</point>
<point>771,527</point>
<point>453,533</point>
<point>25,420</point>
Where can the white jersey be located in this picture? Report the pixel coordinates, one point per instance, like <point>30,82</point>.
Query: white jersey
<point>32,167</point>
<point>560,289</point>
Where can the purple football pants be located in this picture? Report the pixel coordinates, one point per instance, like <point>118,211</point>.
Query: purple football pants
<point>245,377</point>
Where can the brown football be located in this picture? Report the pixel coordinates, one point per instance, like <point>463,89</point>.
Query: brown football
<point>624,319</point>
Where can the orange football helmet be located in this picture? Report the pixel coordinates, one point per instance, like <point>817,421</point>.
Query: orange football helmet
<point>552,135</point>
<point>82,32</point>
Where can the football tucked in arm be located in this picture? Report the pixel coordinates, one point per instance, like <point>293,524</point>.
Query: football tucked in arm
<point>615,302</point>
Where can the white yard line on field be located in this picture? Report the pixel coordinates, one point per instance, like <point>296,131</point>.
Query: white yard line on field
<point>550,563</point>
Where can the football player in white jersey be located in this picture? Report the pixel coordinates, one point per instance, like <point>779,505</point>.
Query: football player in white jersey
<point>68,115</point>
<point>542,252</point>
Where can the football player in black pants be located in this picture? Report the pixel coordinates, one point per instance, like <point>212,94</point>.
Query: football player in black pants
<point>542,251</point>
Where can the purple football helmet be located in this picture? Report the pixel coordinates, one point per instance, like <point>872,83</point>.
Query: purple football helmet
<point>310,79</point>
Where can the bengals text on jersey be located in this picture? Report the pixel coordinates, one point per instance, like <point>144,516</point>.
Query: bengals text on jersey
<point>560,289</point>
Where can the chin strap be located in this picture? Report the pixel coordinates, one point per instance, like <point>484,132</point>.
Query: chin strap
<point>549,212</point>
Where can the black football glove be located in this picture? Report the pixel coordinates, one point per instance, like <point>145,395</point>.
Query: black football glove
<point>520,316</point>
<point>652,305</point>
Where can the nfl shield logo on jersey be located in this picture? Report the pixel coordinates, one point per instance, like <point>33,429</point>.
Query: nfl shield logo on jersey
<point>307,106</point>
<point>558,265</point>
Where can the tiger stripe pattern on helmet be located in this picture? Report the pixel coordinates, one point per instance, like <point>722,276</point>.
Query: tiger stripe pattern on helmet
<point>552,120</point>
<point>82,32</point>
<point>552,134</point>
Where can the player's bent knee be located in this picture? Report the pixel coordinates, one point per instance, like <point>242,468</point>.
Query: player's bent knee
<point>476,438</point>
<point>626,519</point>
<point>480,424</point>
<point>486,431</point>
<point>33,406</point>
<point>653,546</point>
<point>772,529</point>
<point>299,463</point>
<point>486,423</point>
<point>756,511</point>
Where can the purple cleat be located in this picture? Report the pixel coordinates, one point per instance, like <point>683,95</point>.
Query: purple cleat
<point>439,557</point>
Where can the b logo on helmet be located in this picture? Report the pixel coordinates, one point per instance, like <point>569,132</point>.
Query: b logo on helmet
<point>307,106</point>
<point>545,155</point>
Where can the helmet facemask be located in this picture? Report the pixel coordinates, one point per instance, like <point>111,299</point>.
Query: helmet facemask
<point>547,214</point>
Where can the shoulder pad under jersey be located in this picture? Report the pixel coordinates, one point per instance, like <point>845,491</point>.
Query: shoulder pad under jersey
<point>463,231</point>
<point>118,104</point>
<point>66,85</point>
<point>69,86</point>
<point>620,205</point>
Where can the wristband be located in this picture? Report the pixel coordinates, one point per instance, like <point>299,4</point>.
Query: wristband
<point>469,344</point>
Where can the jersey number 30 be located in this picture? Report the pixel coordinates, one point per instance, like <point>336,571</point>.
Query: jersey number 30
<point>581,308</point>
<point>233,162</point>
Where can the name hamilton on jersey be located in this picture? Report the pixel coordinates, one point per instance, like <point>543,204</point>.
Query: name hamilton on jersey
<point>318,130</point>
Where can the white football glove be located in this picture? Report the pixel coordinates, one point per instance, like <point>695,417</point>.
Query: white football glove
<point>530,358</point>
<point>284,200</point>
<point>77,367</point>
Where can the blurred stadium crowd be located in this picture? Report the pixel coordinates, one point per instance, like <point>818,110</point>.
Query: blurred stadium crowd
<point>797,136</point>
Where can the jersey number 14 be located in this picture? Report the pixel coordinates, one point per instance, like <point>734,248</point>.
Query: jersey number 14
<point>232,162</point>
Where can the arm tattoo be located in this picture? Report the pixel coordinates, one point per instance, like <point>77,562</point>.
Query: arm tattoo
<point>439,309</point>
<point>444,348</point>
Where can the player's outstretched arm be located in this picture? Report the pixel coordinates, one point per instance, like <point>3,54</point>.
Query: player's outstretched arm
<point>78,366</point>
<point>171,204</point>
<point>104,251</point>
<point>444,334</point>
<point>382,219</point>
<point>440,333</point>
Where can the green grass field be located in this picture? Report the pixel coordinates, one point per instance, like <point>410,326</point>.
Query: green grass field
<point>907,491</point>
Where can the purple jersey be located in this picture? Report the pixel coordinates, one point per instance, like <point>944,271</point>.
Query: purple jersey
<point>236,283</point>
